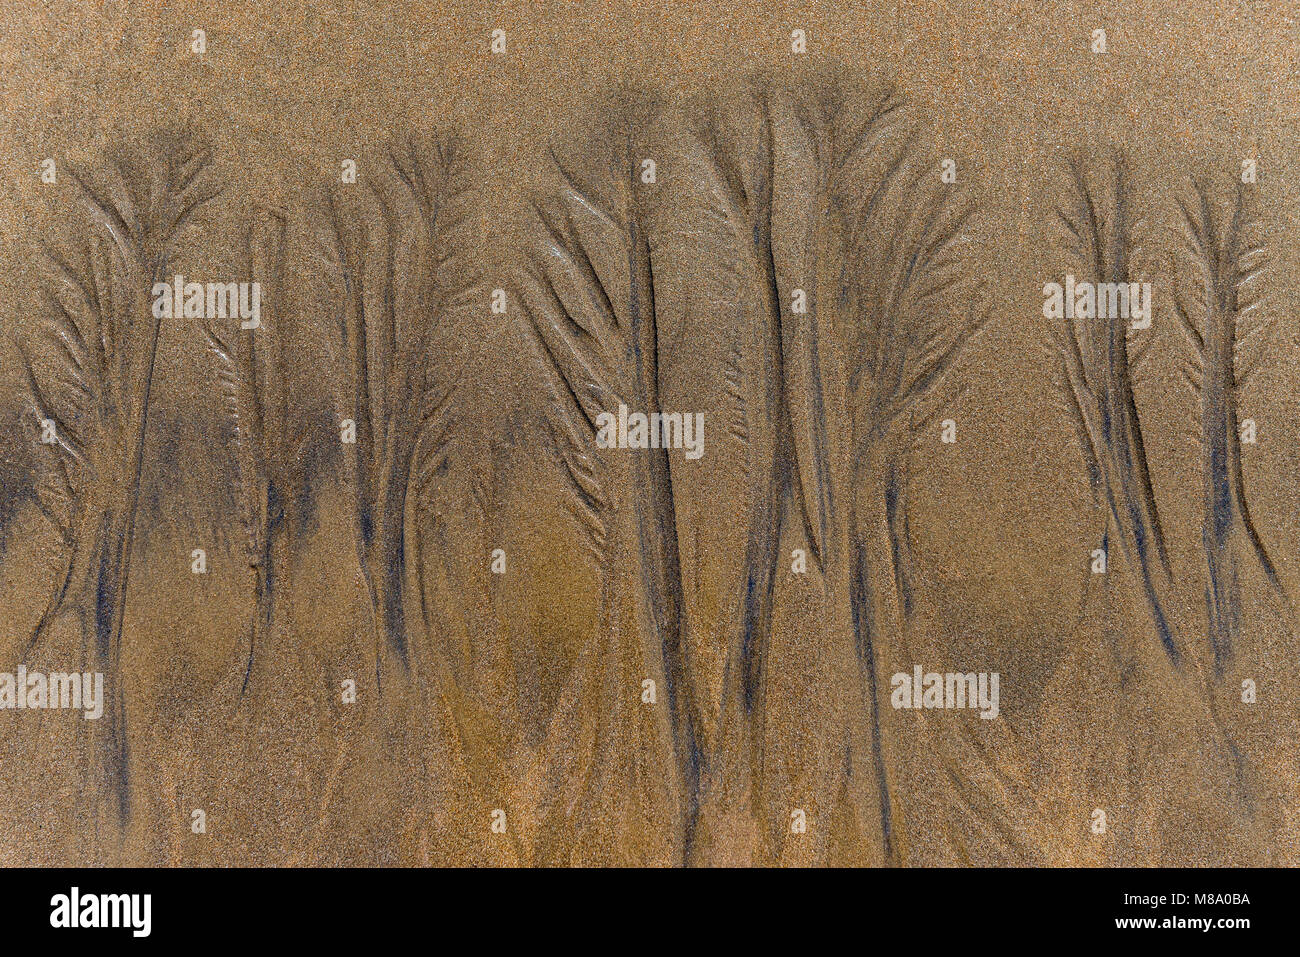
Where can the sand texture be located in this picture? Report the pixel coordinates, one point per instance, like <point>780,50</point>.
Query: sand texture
<point>615,433</point>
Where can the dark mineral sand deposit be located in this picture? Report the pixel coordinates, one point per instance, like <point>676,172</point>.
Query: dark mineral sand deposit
<point>384,567</point>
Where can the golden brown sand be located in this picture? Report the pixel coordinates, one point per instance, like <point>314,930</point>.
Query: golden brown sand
<point>434,621</point>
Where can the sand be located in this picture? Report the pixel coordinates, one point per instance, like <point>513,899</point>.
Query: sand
<point>654,442</point>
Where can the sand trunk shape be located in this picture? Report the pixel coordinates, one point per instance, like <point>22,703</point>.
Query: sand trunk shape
<point>1099,387</point>
<point>99,572</point>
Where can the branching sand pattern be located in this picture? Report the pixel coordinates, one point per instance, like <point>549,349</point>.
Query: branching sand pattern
<point>366,573</point>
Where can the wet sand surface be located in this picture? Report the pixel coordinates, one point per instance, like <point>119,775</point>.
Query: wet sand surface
<point>650,434</point>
